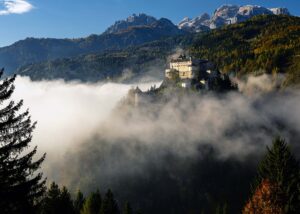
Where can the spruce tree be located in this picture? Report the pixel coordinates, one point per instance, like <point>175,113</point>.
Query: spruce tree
<point>66,202</point>
<point>21,185</point>
<point>57,201</point>
<point>127,209</point>
<point>78,202</point>
<point>92,204</point>
<point>281,169</point>
<point>109,204</point>
<point>51,202</point>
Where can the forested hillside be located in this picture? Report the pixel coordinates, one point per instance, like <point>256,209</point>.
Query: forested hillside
<point>138,60</point>
<point>268,44</point>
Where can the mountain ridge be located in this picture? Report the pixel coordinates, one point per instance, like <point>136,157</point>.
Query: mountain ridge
<point>259,45</point>
<point>132,31</point>
<point>33,50</point>
<point>228,14</point>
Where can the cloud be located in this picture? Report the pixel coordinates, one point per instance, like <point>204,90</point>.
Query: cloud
<point>15,7</point>
<point>80,127</point>
<point>62,108</point>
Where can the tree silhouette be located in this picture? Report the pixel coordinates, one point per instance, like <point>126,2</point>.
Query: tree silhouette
<point>92,204</point>
<point>109,204</point>
<point>78,202</point>
<point>21,185</point>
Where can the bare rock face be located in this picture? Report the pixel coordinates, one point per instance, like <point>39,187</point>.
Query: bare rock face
<point>280,11</point>
<point>132,21</point>
<point>227,14</point>
<point>198,24</point>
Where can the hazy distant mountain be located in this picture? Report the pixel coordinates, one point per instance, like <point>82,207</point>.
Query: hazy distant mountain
<point>132,21</point>
<point>135,30</point>
<point>227,14</point>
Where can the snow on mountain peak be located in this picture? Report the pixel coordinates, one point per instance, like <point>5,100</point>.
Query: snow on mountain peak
<point>228,14</point>
<point>226,11</point>
<point>280,11</point>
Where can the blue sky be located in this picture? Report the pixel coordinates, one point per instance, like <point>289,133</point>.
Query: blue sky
<point>79,18</point>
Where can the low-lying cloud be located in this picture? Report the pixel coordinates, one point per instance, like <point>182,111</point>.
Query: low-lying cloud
<point>15,7</point>
<point>67,113</point>
<point>90,143</point>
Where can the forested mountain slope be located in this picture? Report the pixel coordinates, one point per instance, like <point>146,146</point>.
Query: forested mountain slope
<point>138,60</point>
<point>264,44</point>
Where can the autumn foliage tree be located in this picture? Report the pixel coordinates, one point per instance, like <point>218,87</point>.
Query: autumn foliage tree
<point>265,200</point>
<point>278,182</point>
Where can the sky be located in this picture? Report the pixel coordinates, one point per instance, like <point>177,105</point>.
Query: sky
<point>20,19</point>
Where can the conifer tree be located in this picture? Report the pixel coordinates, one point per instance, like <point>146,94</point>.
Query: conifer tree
<point>66,202</point>
<point>109,204</point>
<point>51,202</point>
<point>57,201</point>
<point>92,204</point>
<point>281,169</point>
<point>127,209</point>
<point>21,185</point>
<point>78,202</point>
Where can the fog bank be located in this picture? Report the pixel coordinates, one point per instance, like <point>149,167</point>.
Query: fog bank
<point>89,143</point>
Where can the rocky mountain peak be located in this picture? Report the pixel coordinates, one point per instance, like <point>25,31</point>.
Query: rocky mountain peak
<point>134,20</point>
<point>226,11</point>
<point>227,14</point>
<point>252,10</point>
<point>280,11</point>
<point>184,20</point>
<point>196,24</point>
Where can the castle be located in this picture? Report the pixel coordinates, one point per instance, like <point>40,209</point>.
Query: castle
<point>188,73</point>
<point>191,72</point>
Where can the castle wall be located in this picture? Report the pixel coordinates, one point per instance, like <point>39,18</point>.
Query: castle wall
<point>185,68</point>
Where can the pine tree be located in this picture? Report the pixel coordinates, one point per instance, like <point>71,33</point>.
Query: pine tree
<point>92,204</point>
<point>109,204</point>
<point>127,209</point>
<point>57,201</point>
<point>51,202</point>
<point>21,185</point>
<point>66,202</point>
<point>281,169</point>
<point>78,202</point>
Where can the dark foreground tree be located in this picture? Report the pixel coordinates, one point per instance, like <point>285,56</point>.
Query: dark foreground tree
<point>78,202</point>
<point>127,209</point>
<point>57,201</point>
<point>279,174</point>
<point>92,204</point>
<point>109,204</point>
<point>21,185</point>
